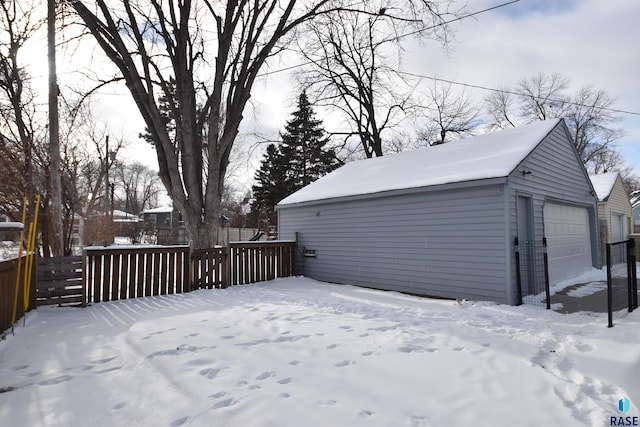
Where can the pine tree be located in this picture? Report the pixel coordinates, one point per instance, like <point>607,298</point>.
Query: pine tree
<point>271,179</point>
<point>300,158</point>
<point>303,147</point>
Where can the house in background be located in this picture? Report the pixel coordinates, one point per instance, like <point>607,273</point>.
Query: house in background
<point>614,209</point>
<point>443,221</point>
<point>161,215</point>
<point>635,211</point>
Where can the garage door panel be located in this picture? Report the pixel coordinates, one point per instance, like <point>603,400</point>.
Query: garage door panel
<point>568,241</point>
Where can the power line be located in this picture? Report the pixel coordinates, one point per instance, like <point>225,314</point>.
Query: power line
<point>510,92</point>
<point>459,18</point>
<point>400,36</point>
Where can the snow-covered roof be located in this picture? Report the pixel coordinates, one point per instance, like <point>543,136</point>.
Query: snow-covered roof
<point>161,209</point>
<point>603,184</point>
<point>11,226</point>
<point>485,156</point>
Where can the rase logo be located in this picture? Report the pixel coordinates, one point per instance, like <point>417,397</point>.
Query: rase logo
<point>624,406</point>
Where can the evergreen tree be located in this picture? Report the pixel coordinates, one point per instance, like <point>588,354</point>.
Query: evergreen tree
<point>300,158</point>
<point>270,185</point>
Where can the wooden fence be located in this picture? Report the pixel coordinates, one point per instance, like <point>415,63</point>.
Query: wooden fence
<point>59,281</point>
<point>251,262</point>
<point>113,274</point>
<point>209,268</point>
<point>8,276</point>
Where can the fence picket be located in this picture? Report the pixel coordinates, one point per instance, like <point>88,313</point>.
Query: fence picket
<point>114,279</point>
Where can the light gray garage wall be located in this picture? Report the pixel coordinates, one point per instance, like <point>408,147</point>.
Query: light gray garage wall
<point>446,241</point>
<point>555,175</point>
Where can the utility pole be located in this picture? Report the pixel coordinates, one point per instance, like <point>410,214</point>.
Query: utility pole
<point>57,242</point>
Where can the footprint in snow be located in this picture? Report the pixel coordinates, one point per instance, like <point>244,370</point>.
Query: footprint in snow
<point>365,414</point>
<point>104,371</point>
<point>294,362</point>
<point>210,373</point>
<point>103,361</point>
<point>326,402</point>
<point>179,421</point>
<point>118,406</point>
<point>224,403</point>
<point>332,346</point>
<point>56,380</point>
<point>265,375</point>
<point>344,363</point>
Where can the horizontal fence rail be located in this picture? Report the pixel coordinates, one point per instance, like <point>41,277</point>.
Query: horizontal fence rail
<point>114,274</point>
<point>59,281</point>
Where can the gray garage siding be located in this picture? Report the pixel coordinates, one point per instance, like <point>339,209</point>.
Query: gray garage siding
<point>444,241</point>
<point>556,176</point>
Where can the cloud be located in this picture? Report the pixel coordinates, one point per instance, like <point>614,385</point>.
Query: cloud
<point>590,41</point>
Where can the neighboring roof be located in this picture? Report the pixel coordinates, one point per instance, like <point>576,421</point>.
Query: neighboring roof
<point>603,184</point>
<point>485,156</point>
<point>11,226</point>
<point>161,209</point>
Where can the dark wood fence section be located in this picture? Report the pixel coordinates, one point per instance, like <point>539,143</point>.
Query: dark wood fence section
<point>8,277</point>
<point>251,262</point>
<point>209,268</point>
<point>114,274</point>
<point>59,281</point>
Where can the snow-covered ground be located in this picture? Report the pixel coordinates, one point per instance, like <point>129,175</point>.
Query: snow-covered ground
<point>296,352</point>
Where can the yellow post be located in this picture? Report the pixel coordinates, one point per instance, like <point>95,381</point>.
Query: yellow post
<point>33,231</point>
<point>15,297</point>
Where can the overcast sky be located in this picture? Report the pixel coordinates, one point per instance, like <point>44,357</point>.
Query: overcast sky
<point>593,42</point>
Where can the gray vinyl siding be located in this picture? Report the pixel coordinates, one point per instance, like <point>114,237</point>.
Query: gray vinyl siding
<point>557,175</point>
<point>438,242</point>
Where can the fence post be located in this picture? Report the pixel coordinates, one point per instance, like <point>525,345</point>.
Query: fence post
<point>518,276</point>
<point>633,273</point>
<point>188,270</point>
<point>294,256</point>
<point>546,272</point>
<point>609,287</point>
<point>85,272</point>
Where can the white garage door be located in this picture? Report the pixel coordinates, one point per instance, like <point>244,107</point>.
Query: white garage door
<point>568,241</point>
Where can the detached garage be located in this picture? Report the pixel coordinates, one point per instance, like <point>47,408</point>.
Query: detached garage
<point>446,220</point>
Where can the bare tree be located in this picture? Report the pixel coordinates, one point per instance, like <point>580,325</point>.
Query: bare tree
<point>138,187</point>
<point>355,62</point>
<point>22,163</point>
<point>448,114</point>
<point>588,113</point>
<point>499,105</point>
<point>215,70</point>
